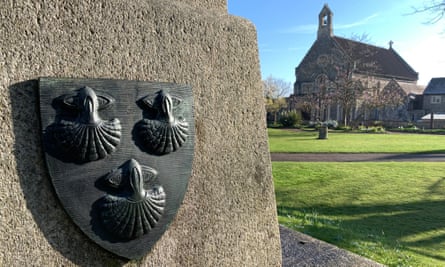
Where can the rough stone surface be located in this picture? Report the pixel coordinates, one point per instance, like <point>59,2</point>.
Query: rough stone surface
<point>220,5</point>
<point>302,250</point>
<point>228,217</point>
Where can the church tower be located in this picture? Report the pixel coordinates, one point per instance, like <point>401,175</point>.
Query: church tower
<point>325,22</point>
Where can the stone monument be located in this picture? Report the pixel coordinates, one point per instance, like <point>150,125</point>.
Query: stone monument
<point>228,215</point>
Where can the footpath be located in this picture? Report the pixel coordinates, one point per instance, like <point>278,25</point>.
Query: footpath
<point>356,157</point>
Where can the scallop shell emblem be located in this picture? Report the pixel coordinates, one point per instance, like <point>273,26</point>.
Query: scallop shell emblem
<point>134,210</point>
<point>162,133</point>
<point>87,137</point>
<point>119,154</point>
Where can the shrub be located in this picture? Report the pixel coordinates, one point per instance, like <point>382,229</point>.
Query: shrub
<point>372,129</point>
<point>332,124</point>
<point>290,118</point>
<point>377,123</point>
<point>344,128</point>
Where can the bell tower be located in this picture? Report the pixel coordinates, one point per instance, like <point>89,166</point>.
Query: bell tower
<point>325,22</point>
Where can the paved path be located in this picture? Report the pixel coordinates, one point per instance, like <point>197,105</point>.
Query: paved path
<point>356,157</point>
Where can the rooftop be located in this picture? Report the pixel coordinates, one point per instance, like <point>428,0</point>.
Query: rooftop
<point>377,60</point>
<point>435,86</point>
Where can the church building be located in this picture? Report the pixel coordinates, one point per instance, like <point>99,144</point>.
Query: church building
<point>348,80</point>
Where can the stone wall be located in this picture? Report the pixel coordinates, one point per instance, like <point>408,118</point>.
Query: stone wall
<point>228,217</point>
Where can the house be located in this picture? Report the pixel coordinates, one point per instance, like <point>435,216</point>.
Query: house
<point>434,96</point>
<point>359,73</point>
<point>433,105</point>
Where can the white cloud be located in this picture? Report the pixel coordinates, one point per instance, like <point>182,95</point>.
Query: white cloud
<point>357,23</point>
<point>312,28</point>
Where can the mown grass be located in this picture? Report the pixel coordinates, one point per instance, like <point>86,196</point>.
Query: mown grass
<point>308,142</point>
<point>393,213</point>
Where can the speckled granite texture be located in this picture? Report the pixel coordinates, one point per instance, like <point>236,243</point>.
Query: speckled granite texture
<point>300,250</point>
<point>228,217</point>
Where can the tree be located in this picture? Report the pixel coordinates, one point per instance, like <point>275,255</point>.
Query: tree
<point>323,94</point>
<point>274,91</point>
<point>390,97</point>
<point>350,90</point>
<point>347,93</point>
<point>436,8</point>
<point>363,38</point>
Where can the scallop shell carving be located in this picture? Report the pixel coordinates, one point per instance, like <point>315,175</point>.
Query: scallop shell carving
<point>165,133</point>
<point>87,137</point>
<point>136,210</point>
<point>89,142</point>
<point>162,138</point>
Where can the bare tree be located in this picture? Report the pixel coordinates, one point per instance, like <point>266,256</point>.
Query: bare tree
<point>347,94</point>
<point>435,8</point>
<point>274,91</point>
<point>363,38</point>
<point>390,97</point>
<point>348,89</point>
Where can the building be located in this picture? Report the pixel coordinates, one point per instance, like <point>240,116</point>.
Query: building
<point>434,96</point>
<point>345,80</point>
<point>432,104</point>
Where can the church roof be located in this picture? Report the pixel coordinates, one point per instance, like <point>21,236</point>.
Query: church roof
<point>408,87</point>
<point>435,87</point>
<point>377,60</point>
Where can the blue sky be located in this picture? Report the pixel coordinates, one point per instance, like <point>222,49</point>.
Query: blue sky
<point>287,29</point>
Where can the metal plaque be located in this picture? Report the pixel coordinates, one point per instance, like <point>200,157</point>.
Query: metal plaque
<point>119,154</point>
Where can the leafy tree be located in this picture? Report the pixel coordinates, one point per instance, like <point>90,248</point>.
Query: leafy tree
<point>274,91</point>
<point>290,118</point>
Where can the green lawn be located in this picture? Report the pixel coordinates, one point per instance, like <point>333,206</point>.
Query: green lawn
<point>393,213</point>
<point>307,142</point>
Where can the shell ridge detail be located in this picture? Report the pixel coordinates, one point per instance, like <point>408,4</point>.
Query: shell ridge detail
<point>136,210</point>
<point>164,133</point>
<point>87,137</point>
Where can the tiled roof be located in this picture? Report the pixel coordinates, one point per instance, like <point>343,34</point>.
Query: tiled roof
<point>377,60</point>
<point>435,86</point>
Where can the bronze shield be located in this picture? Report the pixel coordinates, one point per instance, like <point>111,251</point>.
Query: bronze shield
<point>120,155</point>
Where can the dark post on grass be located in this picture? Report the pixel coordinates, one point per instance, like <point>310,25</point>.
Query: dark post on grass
<point>323,132</point>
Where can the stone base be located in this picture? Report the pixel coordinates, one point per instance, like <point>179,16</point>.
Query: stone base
<point>302,250</point>
<point>228,217</point>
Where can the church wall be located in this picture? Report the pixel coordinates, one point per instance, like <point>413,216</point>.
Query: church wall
<point>331,58</point>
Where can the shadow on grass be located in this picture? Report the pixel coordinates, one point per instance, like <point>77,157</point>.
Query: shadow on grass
<point>407,224</point>
<point>437,151</point>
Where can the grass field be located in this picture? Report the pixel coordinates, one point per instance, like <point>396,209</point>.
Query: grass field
<point>393,213</point>
<point>307,142</point>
